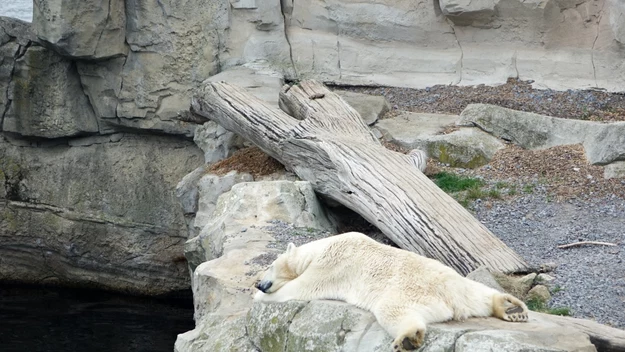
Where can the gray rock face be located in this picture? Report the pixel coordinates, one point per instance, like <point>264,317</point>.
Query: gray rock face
<point>40,86</point>
<point>216,142</point>
<point>101,213</point>
<point>173,47</point>
<point>603,142</point>
<point>291,202</point>
<point>87,29</point>
<point>264,84</point>
<point>370,107</point>
<point>102,83</point>
<point>466,12</point>
<point>617,19</point>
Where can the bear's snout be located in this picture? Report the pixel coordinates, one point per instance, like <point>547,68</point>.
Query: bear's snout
<point>264,285</point>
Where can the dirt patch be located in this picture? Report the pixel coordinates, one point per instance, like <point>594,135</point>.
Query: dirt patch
<point>250,160</point>
<point>563,170</point>
<point>515,94</point>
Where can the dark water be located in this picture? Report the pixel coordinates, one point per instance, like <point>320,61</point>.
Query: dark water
<point>34,319</point>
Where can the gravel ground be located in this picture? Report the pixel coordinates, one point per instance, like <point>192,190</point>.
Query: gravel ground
<point>592,277</point>
<point>515,94</point>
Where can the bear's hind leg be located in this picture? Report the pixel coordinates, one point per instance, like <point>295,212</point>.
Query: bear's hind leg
<point>405,325</point>
<point>509,308</point>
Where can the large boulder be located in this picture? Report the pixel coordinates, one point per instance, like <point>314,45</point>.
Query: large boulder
<point>336,326</point>
<point>236,212</point>
<point>603,142</point>
<point>252,224</point>
<point>466,147</point>
<point>369,107</point>
<point>85,29</point>
<point>412,130</point>
<point>100,212</point>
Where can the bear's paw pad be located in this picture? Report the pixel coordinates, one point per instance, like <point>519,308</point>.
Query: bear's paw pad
<point>409,342</point>
<point>517,312</point>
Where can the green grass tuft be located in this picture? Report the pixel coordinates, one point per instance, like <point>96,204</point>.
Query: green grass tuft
<point>538,305</point>
<point>453,183</point>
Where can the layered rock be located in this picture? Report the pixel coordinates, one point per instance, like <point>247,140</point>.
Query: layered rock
<point>41,83</point>
<point>603,142</point>
<point>97,212</point>
<point>89,29</point>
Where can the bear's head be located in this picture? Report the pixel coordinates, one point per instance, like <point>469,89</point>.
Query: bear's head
<point>281,271</point>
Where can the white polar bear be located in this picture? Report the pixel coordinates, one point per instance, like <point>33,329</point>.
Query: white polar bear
<point>404,290</point>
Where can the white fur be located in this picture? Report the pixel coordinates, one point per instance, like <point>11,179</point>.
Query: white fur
<point>403,290</point>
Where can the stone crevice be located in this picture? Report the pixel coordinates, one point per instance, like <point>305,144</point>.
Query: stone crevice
<point>594,43</point>
<point>364,332</point>
<point>286,37</point>
<point>461,63</point>
<point>106,21</point>
<point>78,216</point>
<point>286,335</point>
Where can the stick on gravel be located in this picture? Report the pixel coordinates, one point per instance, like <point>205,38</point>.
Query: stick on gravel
<point>586,242</point>
<point>336,152</point>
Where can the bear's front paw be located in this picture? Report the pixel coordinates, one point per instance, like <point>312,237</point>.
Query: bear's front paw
<point>409,342</point>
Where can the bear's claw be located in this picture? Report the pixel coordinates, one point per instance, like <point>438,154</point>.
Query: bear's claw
<point>409,342</point>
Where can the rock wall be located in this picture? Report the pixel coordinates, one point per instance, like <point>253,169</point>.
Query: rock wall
<point>96,212</point>
<point>85,199</point>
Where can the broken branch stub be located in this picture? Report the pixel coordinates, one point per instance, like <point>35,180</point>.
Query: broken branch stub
<point>332,148</point>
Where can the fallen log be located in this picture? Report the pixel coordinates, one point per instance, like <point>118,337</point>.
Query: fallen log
<point>329,146</point>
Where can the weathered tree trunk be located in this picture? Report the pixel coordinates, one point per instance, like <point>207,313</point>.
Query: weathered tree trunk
<point>333,149</point>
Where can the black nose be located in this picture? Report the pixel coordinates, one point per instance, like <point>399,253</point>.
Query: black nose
<point>264,285</point>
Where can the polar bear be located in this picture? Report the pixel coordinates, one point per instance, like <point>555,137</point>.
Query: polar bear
<point>404,290</point>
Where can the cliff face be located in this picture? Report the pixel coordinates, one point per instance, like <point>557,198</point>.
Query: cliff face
<point>84,200</point>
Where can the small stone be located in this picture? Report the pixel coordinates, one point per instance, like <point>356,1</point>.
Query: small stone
<point>545,278</point>
<point>525,283</point>
<point>540,292</point>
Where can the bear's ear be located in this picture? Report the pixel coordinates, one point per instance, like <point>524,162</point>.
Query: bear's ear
<point>290,248</point>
